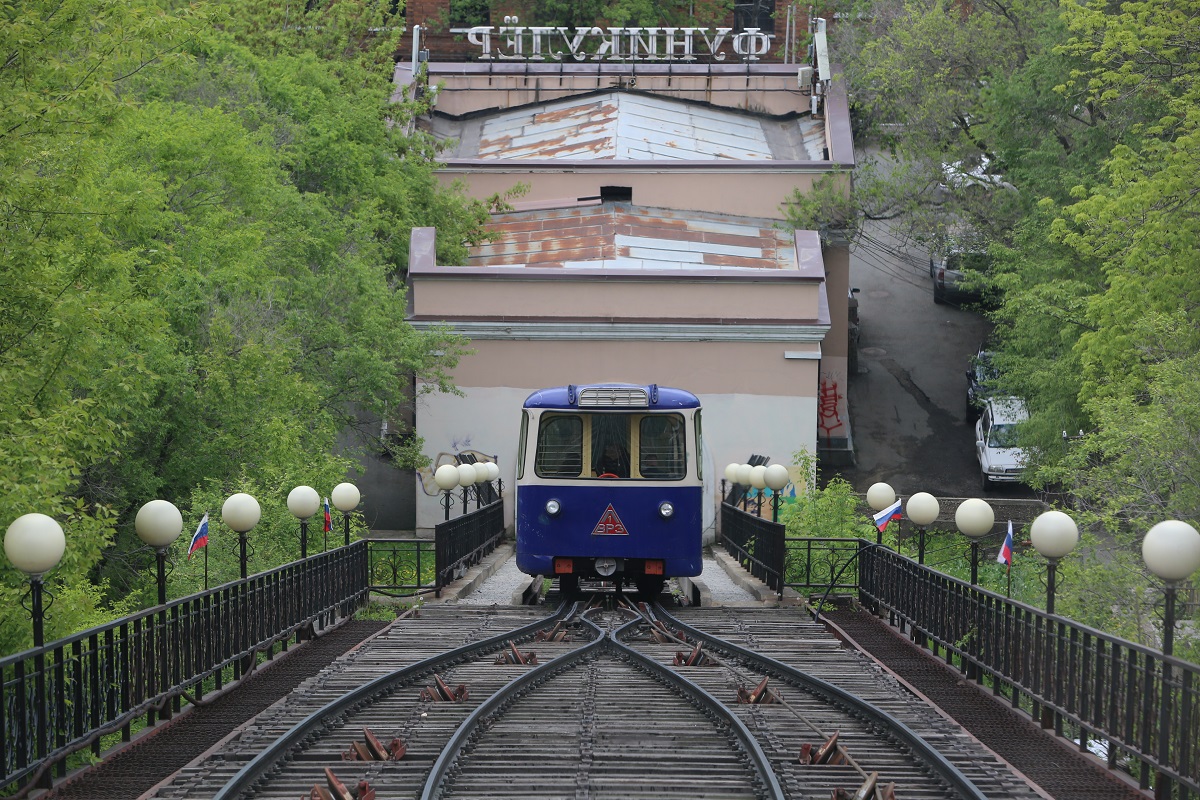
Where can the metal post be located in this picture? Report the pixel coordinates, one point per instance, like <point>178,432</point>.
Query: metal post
<point>346,519</point>
<point>39,664</point>
<point>921,546</point>
<point>974,562</point>
<point>161,639</point>
<point>1051,573</point>
<point>466,498</point>
<point>162,575</point>
<point>242,552</point>
<point>303,538</point>
<point>775,506</point>
<point>723,491</point>
<point>447,502</point>
<point>1162,784</point>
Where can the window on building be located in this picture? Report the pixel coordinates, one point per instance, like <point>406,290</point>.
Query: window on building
<point>754,14</point>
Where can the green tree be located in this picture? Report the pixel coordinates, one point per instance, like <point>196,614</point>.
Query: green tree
<point>207,220</point>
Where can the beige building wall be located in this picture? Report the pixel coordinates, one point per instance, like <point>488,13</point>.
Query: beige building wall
<point>748,342</point>
<point>751,192</point>
<point>766,352</point>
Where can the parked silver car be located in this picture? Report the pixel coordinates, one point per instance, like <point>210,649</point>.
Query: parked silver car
<point>1000,459</point>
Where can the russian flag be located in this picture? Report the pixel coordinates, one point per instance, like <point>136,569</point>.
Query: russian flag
<point>1005,554</point>
<point>887,515</point>
<point>328,519</point>
<point>200,539</point>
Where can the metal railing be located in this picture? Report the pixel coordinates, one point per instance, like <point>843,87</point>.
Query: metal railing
<point>462,542</point>
<point>1143,707</point>
<point>818,564</point>
<point>756,543</point>
<point>402,567</point>
<point>61,698</point>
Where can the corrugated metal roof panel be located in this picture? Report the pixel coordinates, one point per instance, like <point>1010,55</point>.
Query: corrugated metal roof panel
<point>635,127</point>
<point>621,236</point>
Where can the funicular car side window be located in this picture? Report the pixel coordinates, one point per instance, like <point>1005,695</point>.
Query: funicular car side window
<point>662,454</point>
<point>560,447</point>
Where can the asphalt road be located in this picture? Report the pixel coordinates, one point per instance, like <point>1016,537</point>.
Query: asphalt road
<point>908,401</point>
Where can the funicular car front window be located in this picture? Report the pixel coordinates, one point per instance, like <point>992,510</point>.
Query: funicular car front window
<point>662,454</point>
<point>610,445</point>
<point>559,447</point>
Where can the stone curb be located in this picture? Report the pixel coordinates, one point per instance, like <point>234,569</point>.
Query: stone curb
<point>761,592</point>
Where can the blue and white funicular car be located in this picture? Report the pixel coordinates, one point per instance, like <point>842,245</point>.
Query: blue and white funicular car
<point>609,485</point>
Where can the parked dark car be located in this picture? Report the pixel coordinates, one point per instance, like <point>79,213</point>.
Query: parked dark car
<point>953,281</point>
<point>980,373</point>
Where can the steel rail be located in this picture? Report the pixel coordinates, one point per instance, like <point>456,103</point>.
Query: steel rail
<point>258,766</point>
<point>771,786</point>
<point>855,705</point>
<point>453,748</point>
<point>437,775</point>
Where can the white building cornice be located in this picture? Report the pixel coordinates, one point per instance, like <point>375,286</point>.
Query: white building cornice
<point>628,331</point>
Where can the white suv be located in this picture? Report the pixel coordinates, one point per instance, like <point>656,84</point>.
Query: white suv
<point>1000,460</point>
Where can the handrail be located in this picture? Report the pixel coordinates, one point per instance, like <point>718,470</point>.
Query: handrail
<point>102,679</point>
<point>1071,674</point>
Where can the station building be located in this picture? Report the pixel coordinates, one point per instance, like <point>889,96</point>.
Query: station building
<point>648,245</point>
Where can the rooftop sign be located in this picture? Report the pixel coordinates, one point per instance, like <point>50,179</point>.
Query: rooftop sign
<point>534,43</point>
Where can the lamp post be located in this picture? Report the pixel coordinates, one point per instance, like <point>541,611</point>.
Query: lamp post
<point>776,478</point>
<point>241,513</point>
<point>974,519</point>
<point>466,479</point>
<point>345,497</point>
<point>303,502</point>
<point>731,471</point>
<point>493,475</point>
<point>879,497</point>
<point>1171,550</point>
<point>35,543</point>
<point>481,477</point>
<point>758,479</point>
<point>1054,535</point>
<point>446,478</point>
<point>923,508</point>
<point>158,524</point>
<point>743,480</point>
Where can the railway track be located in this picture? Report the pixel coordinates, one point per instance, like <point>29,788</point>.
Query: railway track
<point>603,711</point>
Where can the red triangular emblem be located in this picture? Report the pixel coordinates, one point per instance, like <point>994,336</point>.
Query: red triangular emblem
<point>610,524</point>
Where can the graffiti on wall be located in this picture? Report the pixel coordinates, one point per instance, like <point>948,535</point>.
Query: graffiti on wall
<point>831,408</point>
<point>459,446</point>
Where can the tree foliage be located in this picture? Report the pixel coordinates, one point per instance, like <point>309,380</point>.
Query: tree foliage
<point>1090,115</point>
<point>207,211</point>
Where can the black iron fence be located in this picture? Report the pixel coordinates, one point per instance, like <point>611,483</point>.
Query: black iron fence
<point>756,543</point>
<point>403,567</point>
<point>407,567</point>
<point>462,542</point>
<point>821,565</point>
<point>1142,708</point>
<point>63,697</point>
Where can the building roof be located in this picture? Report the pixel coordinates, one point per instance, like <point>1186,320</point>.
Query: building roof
<point>625,126</point>
<point>621,236</point>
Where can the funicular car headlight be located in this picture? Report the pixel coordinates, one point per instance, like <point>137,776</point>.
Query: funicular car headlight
<point>666,510</point>
<point>553,507</point>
